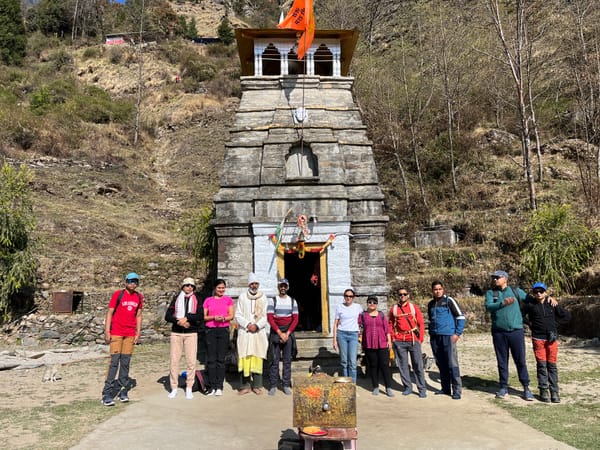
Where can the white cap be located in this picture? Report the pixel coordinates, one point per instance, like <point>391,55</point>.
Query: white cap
<point>252,278</point>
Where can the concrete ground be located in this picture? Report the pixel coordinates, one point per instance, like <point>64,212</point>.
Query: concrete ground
<point>259,422</point>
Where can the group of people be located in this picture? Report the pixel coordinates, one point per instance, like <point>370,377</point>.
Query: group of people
<point>265,338</point>
<point>403,332</point>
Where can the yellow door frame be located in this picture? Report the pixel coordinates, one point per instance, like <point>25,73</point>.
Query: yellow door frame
<point>322,277</point>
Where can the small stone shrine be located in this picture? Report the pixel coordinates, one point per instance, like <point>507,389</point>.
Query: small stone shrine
<point>299,195</point>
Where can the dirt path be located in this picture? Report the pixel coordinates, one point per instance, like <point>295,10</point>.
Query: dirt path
<point>151,420</point>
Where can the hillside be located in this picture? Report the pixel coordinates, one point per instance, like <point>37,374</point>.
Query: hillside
<point>105,207</point>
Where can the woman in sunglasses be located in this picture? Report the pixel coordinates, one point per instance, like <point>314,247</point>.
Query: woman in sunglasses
<point>185,314</point>
<point>345,333</point>
<point>377,342</point>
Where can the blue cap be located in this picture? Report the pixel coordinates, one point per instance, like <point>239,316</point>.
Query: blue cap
<point>500,274</point>
<point>132,276</point>
<point>283,281</point>
<point>539,285</point>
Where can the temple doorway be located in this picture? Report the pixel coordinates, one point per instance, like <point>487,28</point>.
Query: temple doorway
<point>304,275</point>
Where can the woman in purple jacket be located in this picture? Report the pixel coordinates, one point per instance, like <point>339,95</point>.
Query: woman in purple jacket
<point>376,342</point>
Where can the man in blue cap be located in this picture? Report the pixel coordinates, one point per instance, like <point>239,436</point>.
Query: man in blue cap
<point>122,330</point>
<point>543,318</point>
<point>503,302</point>
<point>282,315</point>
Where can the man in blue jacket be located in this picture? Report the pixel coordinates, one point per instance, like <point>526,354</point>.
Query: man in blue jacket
<point>504,304</point>
<point>446,325</point>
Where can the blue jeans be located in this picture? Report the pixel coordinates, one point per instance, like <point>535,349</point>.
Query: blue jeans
<point>347,342</point>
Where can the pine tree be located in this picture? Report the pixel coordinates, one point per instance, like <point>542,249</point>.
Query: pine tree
<point>226,32</point>
<point>13,40</point>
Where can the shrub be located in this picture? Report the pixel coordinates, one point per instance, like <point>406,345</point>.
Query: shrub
<point>17,262</point>
<point>91,52</point>
<point>558,246</point>
<point>199,236</point>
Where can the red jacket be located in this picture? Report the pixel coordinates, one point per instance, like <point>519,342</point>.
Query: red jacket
<point>404,325</point>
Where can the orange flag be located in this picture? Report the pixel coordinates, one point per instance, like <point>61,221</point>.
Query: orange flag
<point>301,18</point>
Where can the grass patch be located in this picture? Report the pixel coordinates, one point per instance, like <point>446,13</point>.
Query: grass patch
<point>58,427</point>
<point>575,424</point>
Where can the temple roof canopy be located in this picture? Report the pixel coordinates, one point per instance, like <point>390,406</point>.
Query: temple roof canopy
<point>246,38</point>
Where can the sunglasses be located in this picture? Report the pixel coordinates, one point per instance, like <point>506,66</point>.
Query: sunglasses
<point>188,285</point>
<point>538,291</point>
<point>496,278</point>
<point>349,296</point>
<point>132,281</point>
<point>372,302</point>
<point>403,294</point>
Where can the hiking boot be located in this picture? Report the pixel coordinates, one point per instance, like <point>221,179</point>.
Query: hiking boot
<point>389,392</point>
<point>502,393</point>
<point>545,395</point>
<point>173,393</point>
<point>272,391</point>
<point>375,391</point>
<point>123,397</point>
<point>456,396</point>
<point>554,397</point>
<point>107,401</point>
<point>528,395</point>
<point>422,394</point>
<point>407,391</point>
<point>287,390</point>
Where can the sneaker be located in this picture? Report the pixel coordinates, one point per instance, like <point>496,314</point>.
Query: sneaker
<point>188,394</point>
<point>287,390</point>
<point>456,396</point>
<point>389,392</point>
<point>219,392</point>
<point>503,392</point>
<point>545,395</point>
<point>554,397</point>
<point>407,391</point>
<point>375,391</point>
<point>211,392</point>
<point>123,397</point>
<point>173,393</point>
<point>272,391</point>
<point>108,402</point>
<point>528,395</point>
<point>422,394</point>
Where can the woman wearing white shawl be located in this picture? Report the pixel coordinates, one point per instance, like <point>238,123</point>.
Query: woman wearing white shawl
<point>252,342</point>
<point>185,315</point>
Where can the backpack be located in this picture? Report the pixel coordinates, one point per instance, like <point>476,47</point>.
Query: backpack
<point>415,329</point>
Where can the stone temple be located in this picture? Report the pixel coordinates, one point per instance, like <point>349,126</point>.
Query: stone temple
<point>299,196</point>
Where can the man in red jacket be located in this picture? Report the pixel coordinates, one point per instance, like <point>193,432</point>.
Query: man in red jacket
<point>122,330</point>
<point>408,331</point>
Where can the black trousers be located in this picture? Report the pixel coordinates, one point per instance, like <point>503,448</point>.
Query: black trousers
<point>217,342</point>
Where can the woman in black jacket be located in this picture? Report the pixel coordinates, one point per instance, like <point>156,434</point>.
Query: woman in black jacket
<point>186,314</point>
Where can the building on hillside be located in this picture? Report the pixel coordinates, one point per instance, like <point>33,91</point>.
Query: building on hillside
<point>116,39</point>
<point>299,161</point>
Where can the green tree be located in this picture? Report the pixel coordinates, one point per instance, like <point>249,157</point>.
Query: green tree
<point>225,31</point>
<point>13,41</point>
<point>17,262</point>
<point>558,246</point>
<point>51,17</point>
